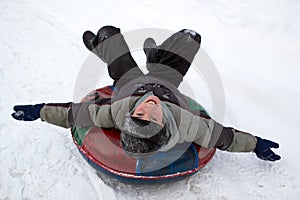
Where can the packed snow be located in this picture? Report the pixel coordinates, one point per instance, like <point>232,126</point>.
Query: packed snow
<point>255,47</point>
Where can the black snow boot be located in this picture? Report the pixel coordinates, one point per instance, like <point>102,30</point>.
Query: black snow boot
<point>177,50</point>
<point>91,41</point>
<point>110,46</point>
<point>152,50</point>
<point>192,34</point>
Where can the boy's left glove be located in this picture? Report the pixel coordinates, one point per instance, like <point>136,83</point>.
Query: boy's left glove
<point>27,112</point>
<point>263,149</point>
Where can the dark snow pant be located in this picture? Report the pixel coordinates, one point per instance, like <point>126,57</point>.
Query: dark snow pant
<point>169,61</point>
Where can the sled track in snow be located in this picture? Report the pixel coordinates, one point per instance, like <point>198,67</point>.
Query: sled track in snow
<point>226,177</point>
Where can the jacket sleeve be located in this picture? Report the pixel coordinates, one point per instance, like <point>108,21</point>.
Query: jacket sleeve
<point>77,115</point>
<point>242,142</point>
<point>225,138</point>
<point>56,114</point>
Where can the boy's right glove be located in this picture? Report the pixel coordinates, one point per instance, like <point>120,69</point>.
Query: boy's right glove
<point>27,112</point>
<point>263,149</point>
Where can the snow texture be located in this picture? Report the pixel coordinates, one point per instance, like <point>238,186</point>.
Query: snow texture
<point>255,46</point>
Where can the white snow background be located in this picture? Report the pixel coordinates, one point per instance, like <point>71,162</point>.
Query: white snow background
<point>255,46</point>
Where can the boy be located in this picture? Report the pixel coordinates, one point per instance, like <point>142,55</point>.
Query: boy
<point>149,110</point>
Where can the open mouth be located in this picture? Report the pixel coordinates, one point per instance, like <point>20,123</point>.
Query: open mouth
<point>151,102</point>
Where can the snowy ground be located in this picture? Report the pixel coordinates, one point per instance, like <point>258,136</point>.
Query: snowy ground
<point>255,46</point>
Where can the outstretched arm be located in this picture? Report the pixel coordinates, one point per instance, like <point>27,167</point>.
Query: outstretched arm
<point>212,134</point>
<point>66,114</point>
<point>232,140</point>
<point>261,147</point>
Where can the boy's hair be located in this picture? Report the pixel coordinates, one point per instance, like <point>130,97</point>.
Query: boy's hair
<point>139,137</point>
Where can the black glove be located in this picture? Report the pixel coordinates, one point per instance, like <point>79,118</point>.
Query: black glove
<point>263,150</point>
<point>27,112</point>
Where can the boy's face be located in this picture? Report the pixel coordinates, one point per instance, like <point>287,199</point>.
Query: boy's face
<point>150,110</point>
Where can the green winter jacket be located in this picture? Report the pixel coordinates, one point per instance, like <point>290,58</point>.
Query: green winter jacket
<point>193,123</point>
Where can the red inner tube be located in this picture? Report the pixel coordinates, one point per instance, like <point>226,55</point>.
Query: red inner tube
<point>102,147</point>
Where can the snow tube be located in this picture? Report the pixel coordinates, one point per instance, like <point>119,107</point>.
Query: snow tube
<point>102,150</point>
